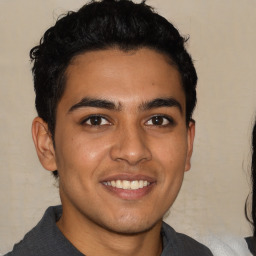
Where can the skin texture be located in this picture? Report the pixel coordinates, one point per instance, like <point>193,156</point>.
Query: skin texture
<point>136,136</point>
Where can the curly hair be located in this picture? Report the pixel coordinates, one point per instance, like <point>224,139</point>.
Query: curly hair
<point>103,25</point>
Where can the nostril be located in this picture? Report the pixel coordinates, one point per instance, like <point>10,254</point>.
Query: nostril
<point>131,149</point>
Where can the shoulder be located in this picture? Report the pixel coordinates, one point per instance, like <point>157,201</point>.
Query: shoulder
<point>182,244</point>
<point>37,239</point>
<point>226,245</point>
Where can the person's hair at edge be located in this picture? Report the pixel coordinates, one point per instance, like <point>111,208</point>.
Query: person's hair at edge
<point>253,213</point>
<point>103,25</point>
<point>252,216</point>
<point>254,177</point>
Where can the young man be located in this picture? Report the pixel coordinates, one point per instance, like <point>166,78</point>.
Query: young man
<point>115,92</point>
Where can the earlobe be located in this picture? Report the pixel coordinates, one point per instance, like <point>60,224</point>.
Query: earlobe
<point>43,143</point>
<point>190,141</point>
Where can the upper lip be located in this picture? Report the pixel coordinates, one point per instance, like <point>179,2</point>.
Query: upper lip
<point>129,177</point>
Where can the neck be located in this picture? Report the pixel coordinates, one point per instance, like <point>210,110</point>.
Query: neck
<point>92,239</point>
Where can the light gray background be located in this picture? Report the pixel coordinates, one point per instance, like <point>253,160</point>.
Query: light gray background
<point>222,43</point>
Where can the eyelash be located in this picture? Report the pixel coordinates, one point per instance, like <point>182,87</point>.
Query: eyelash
<point>163,118</point>
<point>170,121</point>
<point>95,116</point>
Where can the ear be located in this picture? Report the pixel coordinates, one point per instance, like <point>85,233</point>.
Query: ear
<point>190,141</point>
<point>43,143</point>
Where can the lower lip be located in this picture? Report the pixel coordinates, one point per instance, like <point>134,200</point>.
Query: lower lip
<point>129,194</point>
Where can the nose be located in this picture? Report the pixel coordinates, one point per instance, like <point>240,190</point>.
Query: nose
<point>131,146</point>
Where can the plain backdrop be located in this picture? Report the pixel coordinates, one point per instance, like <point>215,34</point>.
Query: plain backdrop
<point>222,43</point>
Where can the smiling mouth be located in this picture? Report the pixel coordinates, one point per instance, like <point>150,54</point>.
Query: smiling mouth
<point>126,184</point>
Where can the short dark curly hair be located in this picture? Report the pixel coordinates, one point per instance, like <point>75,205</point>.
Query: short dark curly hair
<point>102,25</point>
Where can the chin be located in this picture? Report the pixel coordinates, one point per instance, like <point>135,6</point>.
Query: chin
<point>132,226</point>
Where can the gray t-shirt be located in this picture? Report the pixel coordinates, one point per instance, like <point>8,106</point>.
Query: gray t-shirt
<point>45,239</point>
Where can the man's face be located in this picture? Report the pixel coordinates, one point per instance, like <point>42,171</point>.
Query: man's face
<point>121,141</point>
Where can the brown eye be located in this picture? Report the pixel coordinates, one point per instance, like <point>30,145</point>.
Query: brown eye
<point>96,121</point>
<point>157,120</point>
<point>160,121</point>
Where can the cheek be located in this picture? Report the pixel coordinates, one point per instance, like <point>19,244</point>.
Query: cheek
<point>171,156</point>
<point>171,152</point>
<point>78,162</point>
<point>80,153</point>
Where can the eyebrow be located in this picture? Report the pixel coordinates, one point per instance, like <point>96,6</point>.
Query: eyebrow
<point>95,103</point>
<point>161,102</point>
<point>110,105</point>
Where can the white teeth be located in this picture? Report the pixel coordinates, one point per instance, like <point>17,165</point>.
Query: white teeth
<point>119,184</point>
<point>126,184</point>
<point>134,184</point>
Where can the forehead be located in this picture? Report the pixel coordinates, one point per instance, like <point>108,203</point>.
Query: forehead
<point>121,76</point>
